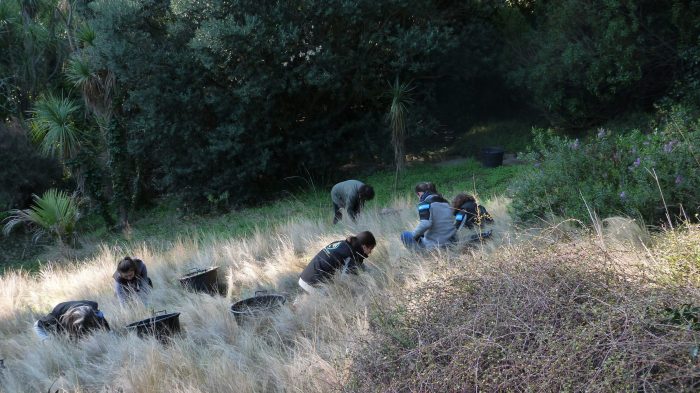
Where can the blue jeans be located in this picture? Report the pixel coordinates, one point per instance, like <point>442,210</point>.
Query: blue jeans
<point>410,243</point>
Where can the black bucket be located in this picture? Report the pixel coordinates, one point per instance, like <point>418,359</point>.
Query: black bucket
<point>201,280</point>
<point>161,326</point>
<point>257,306</point>
<point>492,157</point>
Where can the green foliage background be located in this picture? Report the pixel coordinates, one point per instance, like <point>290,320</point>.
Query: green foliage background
<point>644,175</point>
<point>200,99</point>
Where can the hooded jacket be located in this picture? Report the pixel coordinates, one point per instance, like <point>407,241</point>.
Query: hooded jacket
<point>337,255</point>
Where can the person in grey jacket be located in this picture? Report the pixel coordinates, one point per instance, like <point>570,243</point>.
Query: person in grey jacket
<point>350,195</point>
<point>436,226</point>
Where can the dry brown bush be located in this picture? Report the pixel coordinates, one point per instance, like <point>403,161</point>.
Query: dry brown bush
<point>577,316</point>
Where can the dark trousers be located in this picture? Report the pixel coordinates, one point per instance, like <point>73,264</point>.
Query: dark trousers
<point>337,215</point>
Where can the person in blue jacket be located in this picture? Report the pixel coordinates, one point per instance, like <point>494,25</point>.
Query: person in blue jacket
<point>75,318</point>
<point>468,213</point>
<point>348,254</point>
<point>435,226</point>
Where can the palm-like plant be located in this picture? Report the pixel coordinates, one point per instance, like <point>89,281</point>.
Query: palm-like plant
<point>53,127</point>
<point>86,35</point>
<point>55,213</point>
<point>401,99</point>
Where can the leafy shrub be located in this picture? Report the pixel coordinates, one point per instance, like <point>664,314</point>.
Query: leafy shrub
<point>636,174</point>
<point>55,213</point>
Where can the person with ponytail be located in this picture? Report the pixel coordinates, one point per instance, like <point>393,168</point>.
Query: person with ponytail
<point>131,278</point>
<point>75,318</point>
<point>435,226</point>
<point>348,255</point>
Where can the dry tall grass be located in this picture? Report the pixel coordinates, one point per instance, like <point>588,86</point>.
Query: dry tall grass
<point>311,347</point>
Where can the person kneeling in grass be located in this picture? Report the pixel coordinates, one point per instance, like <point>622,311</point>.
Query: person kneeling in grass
<point>130,279</point>
<point>468,213</point>
<point>348,254</point>
<point>435,227</point>
<point>76,318</point>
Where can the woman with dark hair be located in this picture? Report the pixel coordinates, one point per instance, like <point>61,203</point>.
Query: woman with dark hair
<point>469,213</point>
<point>76,318</point>
<point>434,227</point>
<point>131,278</point>
<point>347,254</point>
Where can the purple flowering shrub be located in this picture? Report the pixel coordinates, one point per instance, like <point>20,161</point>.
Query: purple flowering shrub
<point>615,174</point>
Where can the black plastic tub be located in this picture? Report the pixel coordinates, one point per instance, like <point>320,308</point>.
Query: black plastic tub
<point>255,307</point>
<point>201,280</point>
<point>161,326</point>
<point>492,157</point>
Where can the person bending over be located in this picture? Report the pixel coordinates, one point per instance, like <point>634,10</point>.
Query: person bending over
<point>435,227</point>
<point>468,213</point>
<point>348,254</point>
<point>75,318</point>
<point>131,279</point>
<point>350,195</point>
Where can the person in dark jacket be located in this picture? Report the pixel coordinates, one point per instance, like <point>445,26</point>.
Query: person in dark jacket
<point>348,254</point>
<point>131,278</point>
<point>350,195</point>
<point>76,318</point>
<point>468,213</point>
<point>435,226</point>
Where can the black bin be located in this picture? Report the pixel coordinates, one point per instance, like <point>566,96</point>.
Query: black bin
<point>201,280</point>
<point>161,326</point>
<point>257,306</point>
<point>492,157</point>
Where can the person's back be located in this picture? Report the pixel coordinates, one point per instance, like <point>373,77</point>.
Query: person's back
<point>441,230</point>
<point>73,317</point>
<point>348,254</point>
<point>327,262</point>
<point>350,195</point>
<point>435,227</point>
<point>469,213</point>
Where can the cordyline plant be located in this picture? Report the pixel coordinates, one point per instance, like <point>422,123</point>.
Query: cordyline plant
<point>55,214</point>
<point>400,94</point>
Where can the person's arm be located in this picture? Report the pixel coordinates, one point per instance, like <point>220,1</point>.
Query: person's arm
<point>354,207</point>
<point>459,219</point>
<point>425,220</point>
<point>144,277</point>
<point>121,292</point>
<point>102,321</point>
<point>40,331</point>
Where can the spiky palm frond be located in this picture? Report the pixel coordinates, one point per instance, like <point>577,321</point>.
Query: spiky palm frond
<point>78,71</point>
<point>53,127</point>
<point>9,14</point>
<point>54,213</point>
<point>401,99</point>
<point>86,35</point>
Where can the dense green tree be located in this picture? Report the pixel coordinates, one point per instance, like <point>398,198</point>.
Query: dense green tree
<point>587,61</point>
<point>233,96</point>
